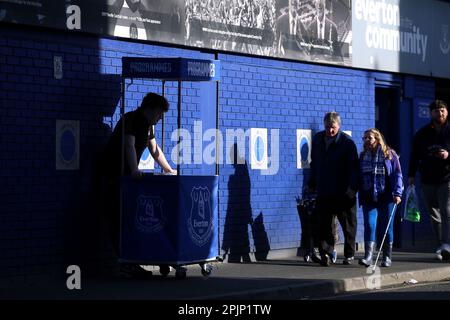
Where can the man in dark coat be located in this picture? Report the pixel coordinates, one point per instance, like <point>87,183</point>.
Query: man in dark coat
<point>334,177</point>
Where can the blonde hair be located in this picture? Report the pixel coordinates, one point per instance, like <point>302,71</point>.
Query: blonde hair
<point>380,140</point>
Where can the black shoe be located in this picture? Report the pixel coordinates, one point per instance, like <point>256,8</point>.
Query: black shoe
<point>129,270</point>
<point>348,261</point>
<point>325,260</point>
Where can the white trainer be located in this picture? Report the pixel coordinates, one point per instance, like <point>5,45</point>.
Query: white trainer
<point>438,254</point>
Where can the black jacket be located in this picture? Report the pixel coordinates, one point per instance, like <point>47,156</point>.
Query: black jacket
<point>432,169</point>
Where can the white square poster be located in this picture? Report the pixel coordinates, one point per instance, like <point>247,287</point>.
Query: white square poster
<point>303,148</point>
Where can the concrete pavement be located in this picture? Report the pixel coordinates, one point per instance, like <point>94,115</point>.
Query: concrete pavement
<point>282,278</point>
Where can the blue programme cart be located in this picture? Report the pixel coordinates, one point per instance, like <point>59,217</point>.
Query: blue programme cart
<point>171,221</point>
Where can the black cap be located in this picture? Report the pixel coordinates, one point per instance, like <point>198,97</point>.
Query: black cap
<point>437,104</point>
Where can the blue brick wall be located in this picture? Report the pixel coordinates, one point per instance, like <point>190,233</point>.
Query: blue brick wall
<point>48,218</point>
<point>285,96</point>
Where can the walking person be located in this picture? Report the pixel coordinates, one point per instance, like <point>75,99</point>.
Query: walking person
<point>334,177</point>
<point>381,186</point>
<point>430,156</point>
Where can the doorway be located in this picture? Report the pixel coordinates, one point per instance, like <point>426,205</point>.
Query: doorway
<point>443,90</point>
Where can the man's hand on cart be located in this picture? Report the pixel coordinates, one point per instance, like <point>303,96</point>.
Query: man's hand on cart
<point>171,172</point>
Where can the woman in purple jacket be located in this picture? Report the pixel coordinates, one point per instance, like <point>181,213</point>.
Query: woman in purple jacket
<point>381,186</point>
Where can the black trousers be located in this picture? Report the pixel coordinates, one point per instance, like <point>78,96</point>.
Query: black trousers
<point>110,199</point>
<point>344,209</point>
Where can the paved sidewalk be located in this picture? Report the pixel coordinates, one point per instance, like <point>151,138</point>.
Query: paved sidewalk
<point>287,278</point>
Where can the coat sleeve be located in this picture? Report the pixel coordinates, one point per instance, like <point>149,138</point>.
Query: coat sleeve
<point>397,176</point>
<point>313,164</point>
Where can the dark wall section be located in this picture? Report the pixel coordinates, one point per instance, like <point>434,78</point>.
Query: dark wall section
<point>51,218</point>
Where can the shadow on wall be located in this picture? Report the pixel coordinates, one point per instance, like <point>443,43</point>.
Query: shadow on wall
<point>260,239</point>
<point>86,240</point>
<point>236,242</point>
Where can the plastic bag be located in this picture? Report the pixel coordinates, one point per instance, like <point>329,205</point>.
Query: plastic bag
<point>411,211</point>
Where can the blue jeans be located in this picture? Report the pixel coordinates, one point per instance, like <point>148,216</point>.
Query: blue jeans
<point>371,212</point>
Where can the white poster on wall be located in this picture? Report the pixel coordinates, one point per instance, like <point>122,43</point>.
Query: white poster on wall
<point>146,162</point>
<point>67,144</point>
<point>349,132</point>
<point>258,148</point>
<point>303,148</point>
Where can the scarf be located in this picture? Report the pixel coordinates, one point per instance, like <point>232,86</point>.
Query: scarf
<point>373,173</point>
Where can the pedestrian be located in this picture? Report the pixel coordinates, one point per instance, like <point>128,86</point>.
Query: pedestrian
<point>334,178</point>
<point>430,156</point>
<point>123,158</point>
<point>381,186</point>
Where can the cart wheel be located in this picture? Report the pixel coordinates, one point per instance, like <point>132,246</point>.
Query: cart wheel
<point>206,269</point>
<point>164,269</point>
<point>180,272</point>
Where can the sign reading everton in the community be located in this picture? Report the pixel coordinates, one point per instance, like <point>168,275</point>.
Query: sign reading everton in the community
<point>387,35</point>
<point>200,221</point>
<point>171,69</point>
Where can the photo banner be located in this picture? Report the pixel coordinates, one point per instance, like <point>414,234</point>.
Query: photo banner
<point>385,35</point>
<point>391,37</point>
<point>276,28</point>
